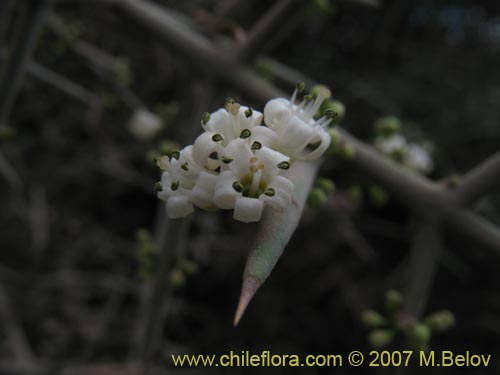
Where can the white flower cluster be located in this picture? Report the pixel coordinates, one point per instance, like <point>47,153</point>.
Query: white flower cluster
<point>412,155</point>
<point>239,163</point>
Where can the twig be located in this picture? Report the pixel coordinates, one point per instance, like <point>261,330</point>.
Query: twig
<point>11,80</point>
<point>424,259</point>
<point>10,174</point>
<point>264,27</point>
<point>14,334</point>
<point>481,180</point>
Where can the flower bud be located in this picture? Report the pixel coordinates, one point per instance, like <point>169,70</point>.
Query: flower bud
<point>418,336</point>
<point>387,126</point>
<point>380,338</point>
<point>328,186</point>
<point>347,151</point>
<point>335,106</point>
<point>378,195</point>
<point>393,300</point>
<point>317,197</point>
<point>372,319</point>
<point>176,278</point>
<point>440,321</point>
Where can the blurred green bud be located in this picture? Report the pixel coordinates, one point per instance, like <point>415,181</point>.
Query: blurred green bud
<point>325,7</point>
<point>378,195</point>
<point>393,300</point>
<point>380,338</point>
<point>335,106</point>
<point>325,184</point>
<point>335,141</point>
<point>123,71</point>
<point>316,89</point>
<point>142,235</point>
<point>7,133</point>
<point>166,147</point>
<point>317,197</point>
<point>347,151</point>
<point>176,278</point>
<point>265,69</point>
<point>188,266</point>
<point>440,321</point>
<point>452,181</point>
<point>355,193</point>
<point>387,126</point>
<point>418,336</point>
<point>372,319</point>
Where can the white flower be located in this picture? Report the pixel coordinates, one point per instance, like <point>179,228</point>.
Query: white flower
<point>226,125</point>
<point>144,124</point>
<point>184,183</point>
<point>391,144</point>
<point>298,131</point>
<point>410,154</point>
<point>251,179</point>
<point>419,159</point>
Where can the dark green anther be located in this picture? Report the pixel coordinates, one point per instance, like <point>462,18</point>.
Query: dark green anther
<point>330,113</point>
<point>217,138</point>
<point>174,186</point>
<point>214,156</point>
<point>205,118</point>
<point>227,159</point>
<point>284,165</point>
<point>237,186</point>
<point>229,101</point>
<point>308,97</point>
<point>245,133</point>
<point>185,166</point>
<point>270,192</point>
<point>256,146</point>
<point>175,154</point>
<point>158,186</point>
<point>301,86</point>
<point>249,112</point>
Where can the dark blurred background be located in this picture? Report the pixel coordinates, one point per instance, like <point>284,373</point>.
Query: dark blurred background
<point>82,233</point>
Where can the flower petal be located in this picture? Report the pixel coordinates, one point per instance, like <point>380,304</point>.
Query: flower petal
<point>202,194</point>
<point>240,152</point>
<point>224,195</point>
<point>325,139</point>
<point>277,113</point>
<point>248,210</point>
<point>178,206</point>
<point>265,136</point>
<point>283,188</point>
<point>270,158</point>
<point>203,148</point>
<point>296,133</point>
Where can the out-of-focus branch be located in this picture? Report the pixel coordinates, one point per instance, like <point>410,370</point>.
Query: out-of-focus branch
<point>19,54</point>
<point>266,26</point>
<point>481,180</point>
<point>411,189</point>
<point>14,335</point>
<point>424,259</point>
